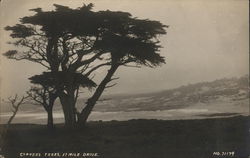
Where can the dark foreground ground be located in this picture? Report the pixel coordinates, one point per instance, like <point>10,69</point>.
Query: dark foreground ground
<point>209,138</point>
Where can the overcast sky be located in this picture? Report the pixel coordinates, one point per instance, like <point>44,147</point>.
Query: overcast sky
<point>206,40</point>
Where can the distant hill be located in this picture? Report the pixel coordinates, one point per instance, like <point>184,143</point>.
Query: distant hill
<point>225,90</point>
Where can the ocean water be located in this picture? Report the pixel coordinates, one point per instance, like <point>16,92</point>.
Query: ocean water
<point>196,111</point>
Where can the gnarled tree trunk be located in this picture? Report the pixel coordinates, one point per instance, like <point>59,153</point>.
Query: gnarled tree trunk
<point>68,105</point>
<point>50,123</point>
<point>49,109</point>
<point>92,101</point>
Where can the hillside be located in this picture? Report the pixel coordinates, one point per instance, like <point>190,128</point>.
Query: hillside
<point>231,90</point>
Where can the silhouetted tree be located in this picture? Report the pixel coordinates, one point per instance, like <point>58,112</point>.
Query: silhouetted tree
<point>15,102</point>
<point>46,97</point>
<point>74,43</point>
<point>50,80</point>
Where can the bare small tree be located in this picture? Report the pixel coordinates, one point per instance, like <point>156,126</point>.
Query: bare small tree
<point>15,104</point>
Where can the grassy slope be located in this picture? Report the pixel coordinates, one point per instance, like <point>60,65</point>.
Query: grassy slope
<point>136,138</point>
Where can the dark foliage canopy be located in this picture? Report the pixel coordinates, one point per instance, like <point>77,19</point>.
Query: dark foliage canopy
<point>60,78</point>
<point>127,39</point>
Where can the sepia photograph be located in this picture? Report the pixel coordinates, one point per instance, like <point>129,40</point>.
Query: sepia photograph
<point>124,79</point>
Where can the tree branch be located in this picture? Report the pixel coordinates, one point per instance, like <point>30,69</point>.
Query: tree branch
<point>96,67</point>
<point>109,86</point>
<point>80,63</point>
<point>134,66</point>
